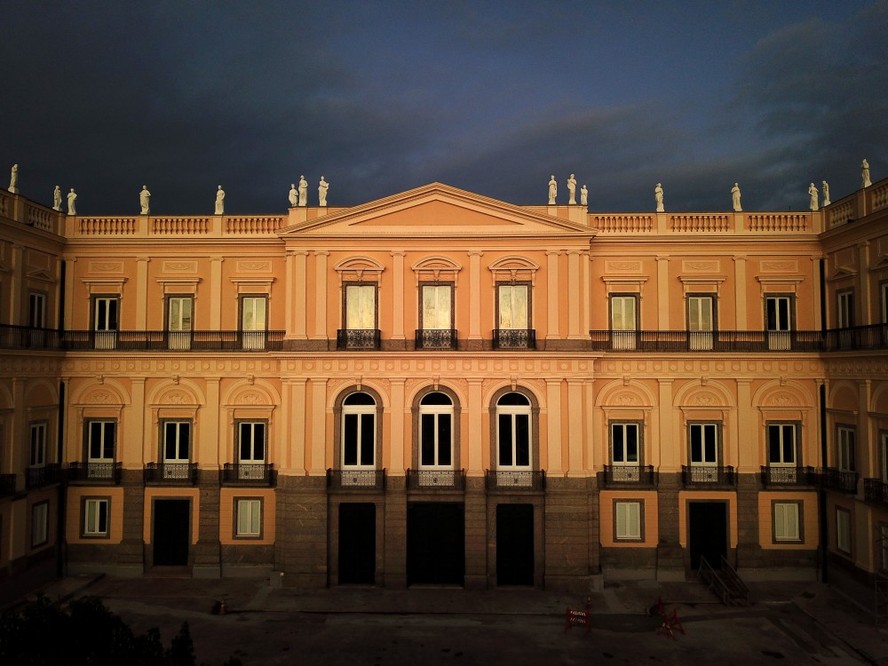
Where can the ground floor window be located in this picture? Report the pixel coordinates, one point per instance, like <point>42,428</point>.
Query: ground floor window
<point>627,520</point>
<point>843,531</point>
<point>248,518</point>
<point>787,523</point>
<point>96,513</point>
<point>39,524</point>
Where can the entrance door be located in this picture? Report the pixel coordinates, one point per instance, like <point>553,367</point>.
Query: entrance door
<point>435,543</point>
<point>172,531</point>
<point>708,532</point>
<point>357,543</point>
<point>514,544</point>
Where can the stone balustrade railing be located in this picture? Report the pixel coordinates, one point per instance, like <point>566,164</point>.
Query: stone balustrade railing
<point>705,223</point>
<point>149,226</point>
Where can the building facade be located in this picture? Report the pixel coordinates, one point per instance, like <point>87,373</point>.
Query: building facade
<point>442,388</point>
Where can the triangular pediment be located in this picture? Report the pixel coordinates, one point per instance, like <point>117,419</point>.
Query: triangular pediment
<point>437,210</point>
<point>41,275</point>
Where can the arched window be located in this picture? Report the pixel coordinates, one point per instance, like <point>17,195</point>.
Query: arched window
<point>513,432</point>
<point>436,431</point>
<point>359,431</point>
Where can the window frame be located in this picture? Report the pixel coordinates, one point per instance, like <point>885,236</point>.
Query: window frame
<point>792,426</point>
<point>37,301</point>
<point>239,425</point>
<point>259,518</point>
<point>639,442</point>
<point>883,455</point>
<point>780,531</point>
<point>109,324</point>
<point>717,427</point>
<point>846,448</point>
<point>627,534</point>
<point>179,424</point>
<point>359,410</point>
<point>844,531</point>
<point>514,411</point>
<point>436,411</point>
<point>39,524</point>
<point>346,286</point>
<point>422,309</point>
<point>845,315</point>
<point>88,443</point>
<point>38,445</point>
<point>527,285</point>
<point>85,531</point>
<point>778,316</point>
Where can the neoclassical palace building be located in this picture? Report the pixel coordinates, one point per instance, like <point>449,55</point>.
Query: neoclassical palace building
<point>437,387</point>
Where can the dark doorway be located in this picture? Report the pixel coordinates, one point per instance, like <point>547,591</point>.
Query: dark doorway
<point>514,544</point>
<point>357,543</point>
<point>435,543</point>
<point>172,531</point>
<point>708,532</point>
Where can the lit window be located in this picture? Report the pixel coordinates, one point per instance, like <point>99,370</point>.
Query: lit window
<point>249,518</point>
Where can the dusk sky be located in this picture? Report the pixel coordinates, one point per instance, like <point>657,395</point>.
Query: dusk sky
<point>492,97</point>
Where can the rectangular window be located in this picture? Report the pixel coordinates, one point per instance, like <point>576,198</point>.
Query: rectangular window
<point>703,439</point>
<point>625,443</point>
<point>845,309</point>
<point>96,516</point>
<point>179,321</point>
<point>248,518</point>
<point>624,321</point>
<point>37,455</point>
<point>883,437</point>
<point>778,321</point>
<point>39,524</point>
<point>782,444</point>
<point>436,440</point>
<point>360,306</point>
<point>627,520</point>
<point>843,531</point>
<point>36,310</point>
<point>847,437</point>
<point>787,522</point>
<point>100,443</point>
<point>177,441</point>
<point>105,314</point>
<point>701,321</point>
<point>513,305</point>
<point>513,440</point>
<point>883,301</point>
<point>251,442</point>
<point>359,436</point>
<point>253,321</point>
<point>437,307</point>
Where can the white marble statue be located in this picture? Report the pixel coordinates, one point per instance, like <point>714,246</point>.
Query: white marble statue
<point>735,198</point>
<point>323,186</point>
<point>57,198</point>
<point>584,196</point>
<point>553,190</point>
<point>303,191</point>
<point>144,200</point>
<point>572,190</point>
<point>293,195</point>
<point>658,197</point>
<point>13,179</point>
<point>825,191</point>
<point>812,193</point>
<point>220,201</point>
<point>865,174</point>
<point>72,198</point>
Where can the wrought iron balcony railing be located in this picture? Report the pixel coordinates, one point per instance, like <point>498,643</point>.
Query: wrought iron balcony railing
<point>44,475</point>
<point>515,480</point>
<point>629,475</point>
<point>248,474</point>
<point>514,338</point>
<point>436,479</point>
<point>708,475</point>
<point>773,475</point>
<point>357,479</point>
<point>696,341</point>
<point>171,473</point>
<point>234,341</point>
<point>7,485</point>
<point>435,338</point>
<point>841,480</point>
<point>357,338</point>
<point>875,490</point>
<point>100,473</point>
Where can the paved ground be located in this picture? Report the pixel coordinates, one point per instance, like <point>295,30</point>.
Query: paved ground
<point>789,622</point>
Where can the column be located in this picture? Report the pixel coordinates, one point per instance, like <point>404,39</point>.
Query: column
<point>294,460</point>
<point>475,439</point>
<point>864,302</point>
<point>299,326</point>
<point>216,293</point>
<point>576,291</point>
<point>397,462</point>
<point>213,431</point>
<point>15,286</point>
<point>742,323</point>
<point>475,294</point>
<point>586,291</point>
<point>663,293</point>
<point>320,292</point>
<point>142,294</point>
<point>575,424</point>
<point>398,295</point>
<point>70,272</point>
<point>553,399</point>
<point>135,422</point>
<point>553,294</point>
<point>318,427</point>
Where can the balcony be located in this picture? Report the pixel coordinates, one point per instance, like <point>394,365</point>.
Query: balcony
<point>44,475</point>
<point>841,480</point>
<point>788,476</point>
<point>176,341</point>
<point>171,474</point>
<point>7,485</point>
<point>875,490</point>
<point>435,338</point>
<point>697,341</point>
<point>636,476</point>
<point>357,338</point>
<point>248,474</point>
<point>515,480</point>
<point>856,337</point>
<point>436,479</point>
<point>98,473</point>
<point>356,480</point>
<point>708,476</point>
<point>514,338</point>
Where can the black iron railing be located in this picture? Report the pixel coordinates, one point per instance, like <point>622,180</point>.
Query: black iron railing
<point>171,473</point>
<point>629,475</point>
<point>357,338</point>
<point>435,479</point>
<point>515,480</point>
<point>174,340</point>
<point>358,479</point>
<point>841,480</point>
<point>435,338</point>
<point>248,474</point>
<point>707,475</point>
<point>514,338</point>
<point>788,476</point>
<point>696,341</point>
<point>105,473</point>
<point>7,485</point>
<point>875,490</point>
<point>44,475</point>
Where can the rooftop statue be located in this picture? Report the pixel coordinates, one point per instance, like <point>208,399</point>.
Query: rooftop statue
<point>584,196</point>
<point>735,198</point>
<point>303,191</point>
<point>572,190</point>
<point>323,186</point>
<point>825,193</point>
<point>658,197</point>
<point>144,199</point>
<point>553,190</point>
<point>220,201</point>
<point>72,198</point>
<point>812,193</point>
<point>13,179</point>
<point>57,198</point>
<point>865,174</point>
<point>293,196</point>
